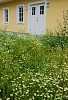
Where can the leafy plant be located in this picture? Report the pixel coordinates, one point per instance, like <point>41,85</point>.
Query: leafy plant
<point>33,67</point>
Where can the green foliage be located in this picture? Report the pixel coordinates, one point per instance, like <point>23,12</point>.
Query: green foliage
<point>63,28</point>
<point>33,67</point>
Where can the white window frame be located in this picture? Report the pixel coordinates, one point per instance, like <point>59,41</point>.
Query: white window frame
<point>17,14</point>
<point>4,15</point>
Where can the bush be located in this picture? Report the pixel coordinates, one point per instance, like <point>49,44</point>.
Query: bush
<point>33,68</point>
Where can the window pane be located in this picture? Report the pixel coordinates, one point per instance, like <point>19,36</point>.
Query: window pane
<point>20,14</point>
<point>22,9</point>
<point>6,19</point>
<point>41,10</point>
<point>6,11</point>
<point>22,18</point>
<point>6,15</point>
<point>19,9</point>
<point>19,19</point>
<point>33,10</point>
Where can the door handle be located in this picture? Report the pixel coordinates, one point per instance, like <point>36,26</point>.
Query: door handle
<point>37,20</point>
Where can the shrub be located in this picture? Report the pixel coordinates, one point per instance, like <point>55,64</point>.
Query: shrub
<point>33,68</point>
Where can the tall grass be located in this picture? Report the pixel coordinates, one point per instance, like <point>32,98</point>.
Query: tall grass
<point>33,67</point>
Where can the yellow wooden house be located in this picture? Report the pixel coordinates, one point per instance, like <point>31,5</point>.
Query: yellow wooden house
<point>31,16</point>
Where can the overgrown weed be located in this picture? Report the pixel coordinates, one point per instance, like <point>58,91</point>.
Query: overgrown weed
<point>33,68</point>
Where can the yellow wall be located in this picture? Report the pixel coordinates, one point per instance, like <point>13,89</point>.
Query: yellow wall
<point>53,12</point>
<point>13,26</point>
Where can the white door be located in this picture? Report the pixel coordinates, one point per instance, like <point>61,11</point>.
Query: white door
<point>37,19</point>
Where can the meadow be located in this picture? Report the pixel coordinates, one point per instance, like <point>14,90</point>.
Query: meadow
<point>33,67</point>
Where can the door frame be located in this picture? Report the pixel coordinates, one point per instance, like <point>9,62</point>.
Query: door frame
<point>35,3</point>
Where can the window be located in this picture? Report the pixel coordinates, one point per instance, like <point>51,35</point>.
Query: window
<point>41,10</point>
<point>20,14</point>
<point>33,10</point>
<point>5,15</point>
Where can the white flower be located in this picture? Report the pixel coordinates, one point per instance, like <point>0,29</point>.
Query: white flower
<point>44,95</point>
<point>7,98</point>
<point>24,86</point>
<point>15,93</point>
<point>21,75</point>
<point>38,95</point>
<point>11,95</point>
<point>32,98</point>
<point>34,94</point>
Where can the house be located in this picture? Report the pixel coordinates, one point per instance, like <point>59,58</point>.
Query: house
<point>33,16</point>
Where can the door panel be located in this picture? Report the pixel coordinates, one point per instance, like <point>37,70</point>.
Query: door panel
<point>36,21</point>
<point>33,14</point>
<point>41,17</point>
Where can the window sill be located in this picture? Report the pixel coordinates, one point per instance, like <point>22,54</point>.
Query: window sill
<point>20,23</point>
<point>5,23</point>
